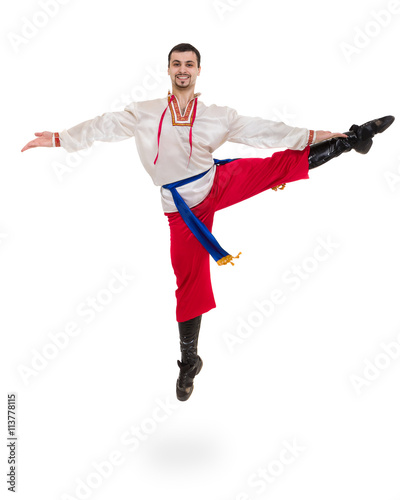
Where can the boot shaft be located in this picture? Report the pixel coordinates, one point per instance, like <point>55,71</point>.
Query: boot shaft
<point>189,336</point>
<point>324,151</point>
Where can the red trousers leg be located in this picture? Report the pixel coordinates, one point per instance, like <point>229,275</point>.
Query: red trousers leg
<point>233,182</point>
<point>191,264</point>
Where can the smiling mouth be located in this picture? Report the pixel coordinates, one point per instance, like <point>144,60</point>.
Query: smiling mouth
<point>183,77</point>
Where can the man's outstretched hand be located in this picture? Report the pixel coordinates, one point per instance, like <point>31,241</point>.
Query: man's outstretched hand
<point>323,135</point>
<point>43,140</point>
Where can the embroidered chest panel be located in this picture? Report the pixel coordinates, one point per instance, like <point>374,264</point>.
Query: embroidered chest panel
<point>177,119</point>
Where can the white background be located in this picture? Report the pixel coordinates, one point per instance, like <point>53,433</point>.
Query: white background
<point>290,379</point>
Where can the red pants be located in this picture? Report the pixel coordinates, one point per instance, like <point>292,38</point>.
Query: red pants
<point>233,182</point>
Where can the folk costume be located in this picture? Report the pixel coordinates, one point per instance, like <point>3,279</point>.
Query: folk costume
<point>176,149</point>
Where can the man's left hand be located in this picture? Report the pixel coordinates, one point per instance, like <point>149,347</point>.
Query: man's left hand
<point>323,135</point>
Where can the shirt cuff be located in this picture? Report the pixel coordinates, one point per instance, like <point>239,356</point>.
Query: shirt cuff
<point>312,136</point>
<point>56,140</point>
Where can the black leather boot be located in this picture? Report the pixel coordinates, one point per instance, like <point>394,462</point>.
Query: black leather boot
<point>324,151</point>
<point>358,138</point>
<point>191,363</point>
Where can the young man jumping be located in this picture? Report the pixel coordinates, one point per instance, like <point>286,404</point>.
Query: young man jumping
<point>175,137</point>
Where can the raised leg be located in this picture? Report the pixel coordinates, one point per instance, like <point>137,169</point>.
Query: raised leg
<point>358,138</point>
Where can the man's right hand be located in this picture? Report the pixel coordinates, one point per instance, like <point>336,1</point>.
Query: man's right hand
<point>44,140</point>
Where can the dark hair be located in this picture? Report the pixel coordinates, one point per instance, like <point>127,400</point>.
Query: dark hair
<point>184,47</point>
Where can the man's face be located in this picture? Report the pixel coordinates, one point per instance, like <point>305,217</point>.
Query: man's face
<point>183,69</point>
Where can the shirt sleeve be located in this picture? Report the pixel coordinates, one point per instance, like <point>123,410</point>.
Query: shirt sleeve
<point>108,127</point>
<point>260,133</point>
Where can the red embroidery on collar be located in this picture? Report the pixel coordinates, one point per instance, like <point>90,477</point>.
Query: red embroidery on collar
<point>190,114</point>
<point>177,119</point>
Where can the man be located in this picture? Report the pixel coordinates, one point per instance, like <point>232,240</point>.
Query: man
<point>175,137</point>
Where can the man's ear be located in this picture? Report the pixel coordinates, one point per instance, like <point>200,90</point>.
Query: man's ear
<point>198,74</point>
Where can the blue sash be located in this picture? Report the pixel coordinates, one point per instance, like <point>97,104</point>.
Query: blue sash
<point>197,227</point>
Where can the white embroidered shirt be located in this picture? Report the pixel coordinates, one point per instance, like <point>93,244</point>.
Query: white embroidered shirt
<point>212,126</point>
